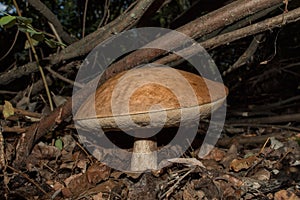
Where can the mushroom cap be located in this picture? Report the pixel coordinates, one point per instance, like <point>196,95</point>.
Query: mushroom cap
<point>151,97</point>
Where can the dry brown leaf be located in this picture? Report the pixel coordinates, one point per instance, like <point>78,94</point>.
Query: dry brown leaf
<point>215,154</point>
<point>46,151</point>
<point>98,196</point>
<point>57,186</point>
<point>233,180</point>
<point>97,172</point>
<point>231,154</point>
<point>105,187</point>
<point>67,165</point>
<point>186,161</point>
<point>188,193</point>
<point>78,185</point>
<point>82,164</point>
<point>68,180</point>
<point>286,195</point>
<point>66,192</point>
<point>42,153</point>
<point>262,175</point>
<point>245,163</point>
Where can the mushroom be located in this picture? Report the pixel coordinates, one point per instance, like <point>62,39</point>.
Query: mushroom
<point>145,100</point>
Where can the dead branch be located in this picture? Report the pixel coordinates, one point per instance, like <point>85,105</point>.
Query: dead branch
<point>246,55</point>
<point>24,112</point>
<point>36,88</point>
<point>270,120</point>
<point>259,139</point>
<point>267,24</point>
<point>194,29</point>
<point>85,45</point>
<point>17,72</point>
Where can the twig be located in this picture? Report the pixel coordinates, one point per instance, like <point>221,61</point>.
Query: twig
<point>27,177</point>
<point>36,60</point>
<point>105,14</point>
<point>171,190</point>
<point>2,157</point>
<point>258,139</point>
<point>46,12</point>
<point>276,104</point>
<point>11,47</point>
<point>38,86</point>
<point>246,55</point>
<point>84,17</point>
<point>15,129</point>
<point>64,78</point>
<point>7,92</point>
<point>56,34</point>
<point>275,50</point>
<point>264,126</point>
<point>269,120</point>
<point>24,112</point>
<point>35,89</point>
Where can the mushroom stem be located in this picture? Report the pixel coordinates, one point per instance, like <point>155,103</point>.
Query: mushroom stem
<point>144,156</point>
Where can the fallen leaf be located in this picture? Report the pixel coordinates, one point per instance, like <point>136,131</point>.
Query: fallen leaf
<point>186,161</point>
<point>286,195</point>
<point>8,110</point>
<point>97,172</point>
<point>245,163</point>
<point>262,175</point>
<point>215,154</point>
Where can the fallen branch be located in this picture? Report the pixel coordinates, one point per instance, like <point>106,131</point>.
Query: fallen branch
<point>270,120</point>
<point>267,24</point>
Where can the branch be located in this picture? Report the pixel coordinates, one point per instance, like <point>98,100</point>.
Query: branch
<point>17,72</point>
<point>46,12</point>
<point>197,28</point>
<point>85,45</point>
<point>267,24</point>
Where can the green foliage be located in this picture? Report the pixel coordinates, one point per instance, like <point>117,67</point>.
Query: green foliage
<point>7,21</point>
<point>59,144</point>
<point>24,25</point>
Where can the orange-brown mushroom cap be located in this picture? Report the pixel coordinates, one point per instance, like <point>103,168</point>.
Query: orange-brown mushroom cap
<point>148,94</point>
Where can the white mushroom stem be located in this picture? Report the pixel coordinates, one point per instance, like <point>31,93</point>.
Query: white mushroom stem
<point>144,156</point>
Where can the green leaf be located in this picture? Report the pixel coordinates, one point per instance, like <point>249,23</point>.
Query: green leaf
<point>59,144</point>
<point>38,36</point>
<point>8,110</point>
<point>53,44</point>
<point>24,20</point>
<point>31,31</point>
<point>7,21</point>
